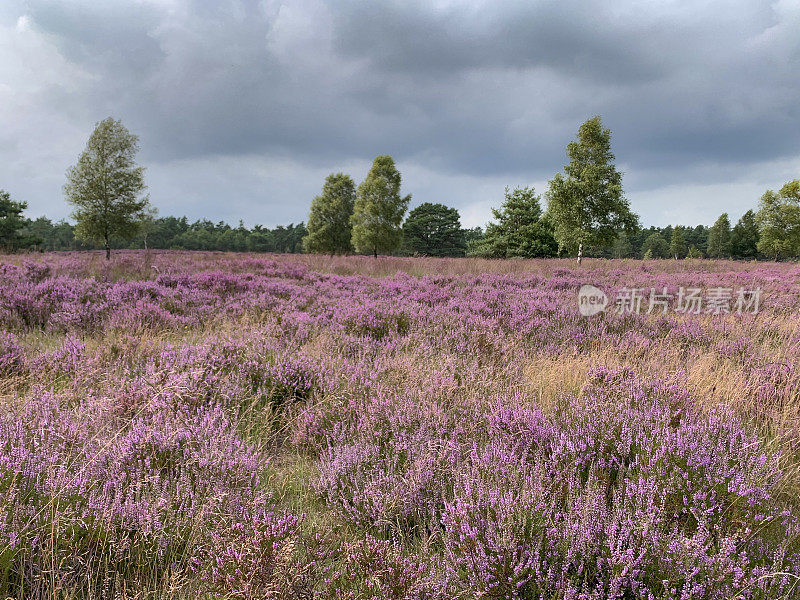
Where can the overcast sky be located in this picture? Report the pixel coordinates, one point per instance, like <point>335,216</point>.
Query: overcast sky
<point>244,106</point>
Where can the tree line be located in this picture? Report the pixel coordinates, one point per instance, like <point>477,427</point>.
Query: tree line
<point>167,233</point>
<point>587,214</point>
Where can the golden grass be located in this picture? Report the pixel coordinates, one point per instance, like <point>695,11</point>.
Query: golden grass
<point>141,264</point>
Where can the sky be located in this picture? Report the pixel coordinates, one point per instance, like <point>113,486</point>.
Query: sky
<point>243,107</point>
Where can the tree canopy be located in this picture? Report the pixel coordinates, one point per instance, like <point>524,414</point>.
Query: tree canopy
<point>586,204</point>
<point>434,230</point>
<point>519,230</point>
<point>655,246</point>
<point>329,229</point>
<point>105,186</point>
<point>12,224</point>
<point>677,243</point>
<point>719,238</point>
<point>745,236</point>
<point>379,209</point>
<point>778,221</point>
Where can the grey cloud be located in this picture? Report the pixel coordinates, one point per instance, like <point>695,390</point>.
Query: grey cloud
<point>579,38</point>
<point>484,89</point>
<point>108,38</point>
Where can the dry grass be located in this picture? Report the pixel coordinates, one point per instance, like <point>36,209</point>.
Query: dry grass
<point>139,264</point>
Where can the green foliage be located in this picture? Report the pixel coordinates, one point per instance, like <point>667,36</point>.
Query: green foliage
<point>791,190</point>
<point>778,221</point>
<point>719,238</point>
<point>472,239</point>
<point>677,243</point>
<point>697,237</point>
<point>379,209</point>
<point>622,246</point>
<point>329,229</point>
<point>52,236</point>
<point>520,231</point>
<point>586,204</point>
<point>655,246</point>
<point>694,252</point>
<point>205,235</point>
<point>178,234</point>
<point>12,224</point>
<point>147,223</point>
<point>744,236</point>
<point>434,230</point>
<point>105,186</point>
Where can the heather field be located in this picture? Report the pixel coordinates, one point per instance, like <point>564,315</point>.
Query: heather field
<point>189,425</point>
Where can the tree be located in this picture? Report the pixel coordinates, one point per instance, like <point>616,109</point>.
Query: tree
<point>778,221</point>
<point>43,231</point>
<point>520,231</point>
<point>472,238</point>
<point>434,230</point>
<point>586,204</point>
<point>639,237</point>
<point>105,186</point>
<point>205,235</point>
<point>166,231</point>
<point>379,209</point>
<point>289,239</point>
<point>622,246</point>
<point>744,236</point>
<point>148,223</point>
<point>677,243</point>
<point>12,224</point>
<point>259,240</point>
<point>719,238</point>
<point>329,229</point>
<point>694,252</point>
<point>64,236</point>
<point>655,246</point>
<point>698,237</point>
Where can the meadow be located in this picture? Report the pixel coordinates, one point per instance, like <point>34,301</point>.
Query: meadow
<point>208,425</point>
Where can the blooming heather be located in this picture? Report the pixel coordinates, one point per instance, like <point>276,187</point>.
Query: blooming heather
<point>230,426</point>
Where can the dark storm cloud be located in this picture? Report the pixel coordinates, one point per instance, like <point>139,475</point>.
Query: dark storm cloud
<point>478,89</point>
<point>109,37</point>
<point>578,38</point>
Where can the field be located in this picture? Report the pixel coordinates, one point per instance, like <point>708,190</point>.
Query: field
<point>188,425</point>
